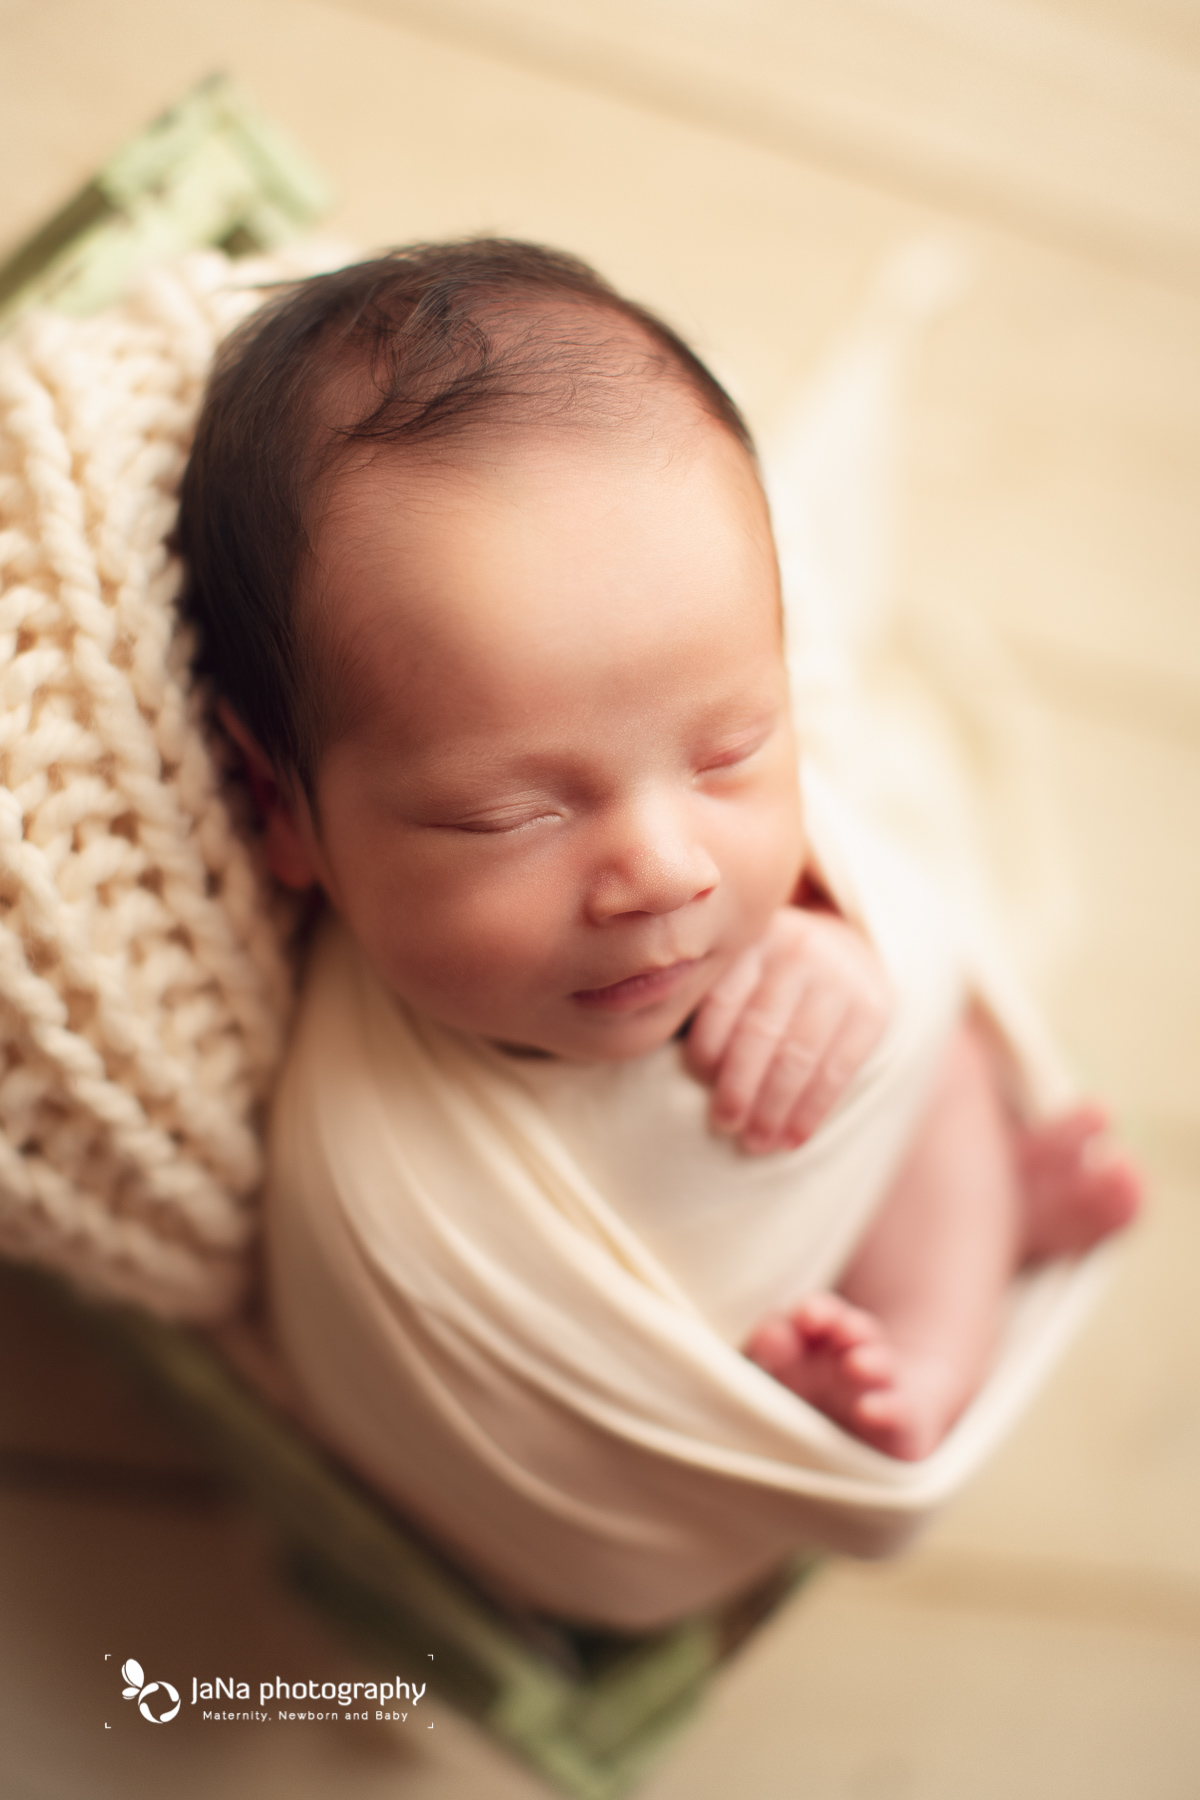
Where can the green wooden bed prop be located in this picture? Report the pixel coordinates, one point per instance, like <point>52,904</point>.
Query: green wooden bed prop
<point>211,171</point>
<point>588,1710</point>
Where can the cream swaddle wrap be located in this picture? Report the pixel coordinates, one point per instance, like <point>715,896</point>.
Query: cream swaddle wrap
<point>513,1289</point>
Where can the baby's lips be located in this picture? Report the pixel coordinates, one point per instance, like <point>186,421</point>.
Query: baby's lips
<point>657,981</point>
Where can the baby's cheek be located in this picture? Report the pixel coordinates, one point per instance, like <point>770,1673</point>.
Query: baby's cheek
<point>481,942</point>
<point>766,864</point>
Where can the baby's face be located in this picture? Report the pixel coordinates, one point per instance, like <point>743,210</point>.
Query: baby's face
<point>564,795</point>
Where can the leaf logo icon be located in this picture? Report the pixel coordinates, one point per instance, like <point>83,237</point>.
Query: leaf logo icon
<point>140,1689</point>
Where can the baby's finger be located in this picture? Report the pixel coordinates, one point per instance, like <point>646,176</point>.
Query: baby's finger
<point>795,1066</point>
<point>718,1013</point>
<point>846,1051</point>
<point>752,1047</point>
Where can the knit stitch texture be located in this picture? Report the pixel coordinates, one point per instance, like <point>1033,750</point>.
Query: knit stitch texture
<point>144,985</point>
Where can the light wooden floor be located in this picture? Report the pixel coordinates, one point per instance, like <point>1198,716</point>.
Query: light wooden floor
<point>746,178</point>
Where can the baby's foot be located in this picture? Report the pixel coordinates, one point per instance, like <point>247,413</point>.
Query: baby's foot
<point>1078,1186</point>
<point>837,1357</point>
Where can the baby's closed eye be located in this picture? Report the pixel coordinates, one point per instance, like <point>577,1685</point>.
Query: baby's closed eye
<point>715,759</point>
<point>506,821</point>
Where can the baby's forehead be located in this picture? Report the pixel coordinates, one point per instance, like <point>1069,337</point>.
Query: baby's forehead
<point>669,456</point>
<point>567,383</point>
<point>575,554</point>
<point>658,429</point>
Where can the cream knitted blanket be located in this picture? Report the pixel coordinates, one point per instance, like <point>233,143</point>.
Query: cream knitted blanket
<point>143,988</point>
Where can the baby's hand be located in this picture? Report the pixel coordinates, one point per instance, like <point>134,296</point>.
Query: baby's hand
<point>785,1029</point>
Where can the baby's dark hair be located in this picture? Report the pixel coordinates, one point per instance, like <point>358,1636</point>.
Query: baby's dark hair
<point>401,353</point>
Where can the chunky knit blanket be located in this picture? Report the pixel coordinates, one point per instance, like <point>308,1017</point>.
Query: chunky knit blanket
<point>143,983</point>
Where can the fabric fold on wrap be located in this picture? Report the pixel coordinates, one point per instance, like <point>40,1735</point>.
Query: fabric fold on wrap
<point>513,1289</point>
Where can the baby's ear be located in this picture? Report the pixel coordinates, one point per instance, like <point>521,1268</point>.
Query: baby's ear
<point>289,840</point>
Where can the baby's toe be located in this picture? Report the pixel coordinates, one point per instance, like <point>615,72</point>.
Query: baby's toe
<point>772,1345</point>
<point>871,1365</point>
<point>1054,1147</point>
<point>851,1327</point>
<point>887,1419</point>
<point>1111,1193</point>
<point>816,1315</point>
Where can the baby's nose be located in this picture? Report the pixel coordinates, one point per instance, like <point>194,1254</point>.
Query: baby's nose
<point>653,867</point>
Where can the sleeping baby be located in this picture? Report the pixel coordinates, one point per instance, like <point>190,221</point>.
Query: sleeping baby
<point>651,1171</point>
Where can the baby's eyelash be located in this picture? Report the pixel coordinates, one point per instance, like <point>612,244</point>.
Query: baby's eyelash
<point>731,759</point>
<point>495,827</point>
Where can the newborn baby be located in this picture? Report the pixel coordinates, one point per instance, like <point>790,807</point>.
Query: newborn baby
<point>485,580</point>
